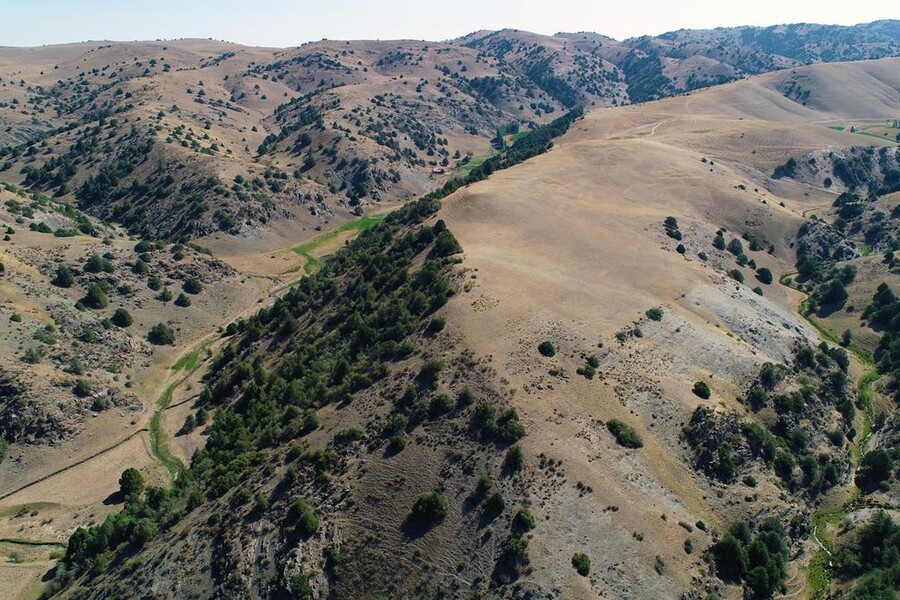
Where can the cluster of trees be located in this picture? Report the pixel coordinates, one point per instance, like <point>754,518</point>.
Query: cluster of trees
<point>884,314</point>
<point>366,303</point>
<point>530,144</point>
<point>786,443</point>
<point>757,561</point>
<point>137,524</point>
<point>360,309</point>
<point>873,557</point>
<point>826,278</point>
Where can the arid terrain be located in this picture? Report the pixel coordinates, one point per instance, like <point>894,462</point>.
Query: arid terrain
<point>328,386</point>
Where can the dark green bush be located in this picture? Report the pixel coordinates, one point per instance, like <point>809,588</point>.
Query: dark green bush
<point>701,389</point>
<point>654,314</point>
<point>121,318</point>
<point>430,507</point>
<point>64,277</point>
<point>161,335</point>
<point>82,388</point>
<point>582,564</point>
<point>764,275</point>
<point>625,435</point>
<point>523,522</point>
<point>182,300</point>
<point>192,285</point>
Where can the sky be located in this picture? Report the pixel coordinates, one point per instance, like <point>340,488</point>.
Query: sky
<point>290,23</point>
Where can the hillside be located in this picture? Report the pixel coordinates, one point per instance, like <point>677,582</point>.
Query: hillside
<point>183,139</point>
<point>578,375</point>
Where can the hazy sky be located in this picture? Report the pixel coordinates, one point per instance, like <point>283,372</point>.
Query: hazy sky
<point>290,23</point>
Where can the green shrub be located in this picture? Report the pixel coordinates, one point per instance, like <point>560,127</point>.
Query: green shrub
<point>139,267</point>
<point>736,275</point>
<point>523,521</point>
<point>440,404</point>
<point>183,301</point>
<point>396,443</point>
<point>701,389</point>
<point>82,388</point>
<point>466,397</point>
<point>131,483</point>
<point>436,325</point>
<point>64,277</point>
<point>625,435</point>
<point>430,507</point>
<point>846,338</point>
<point>430,370</point>
<point>121,318</point>
<point>654,314</point>
<point>161,335</point>
<point>96,264</point>
<point>32,356</point>
<point>546,348</point>
<point>192,285</point>
<point>764,275</point>
<point>96,297</point>
<point>874,468</point>
<point>582,564</point>
<point>495,503</point>
<point>348,435</point>
<point>515,458</point>
<point>445,244</point>
<point>301,518</point>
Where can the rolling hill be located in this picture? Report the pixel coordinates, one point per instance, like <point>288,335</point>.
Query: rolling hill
<point>574,367</point>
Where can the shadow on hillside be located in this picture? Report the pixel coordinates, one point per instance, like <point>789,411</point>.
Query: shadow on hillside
<point>413,528</point>
<point>115,498</point>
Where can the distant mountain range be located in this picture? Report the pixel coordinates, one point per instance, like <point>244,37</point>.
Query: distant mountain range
<point>331,127</point>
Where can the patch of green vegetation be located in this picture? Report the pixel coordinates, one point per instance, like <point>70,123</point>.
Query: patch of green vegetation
<point>159,445</point>
<point>356,226</point>
<point>474,163</point>
<point>189,361</point>
<point>582,563</point>
<point>625,435</point>
<point>836,127</point>
<point>874,135</point>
